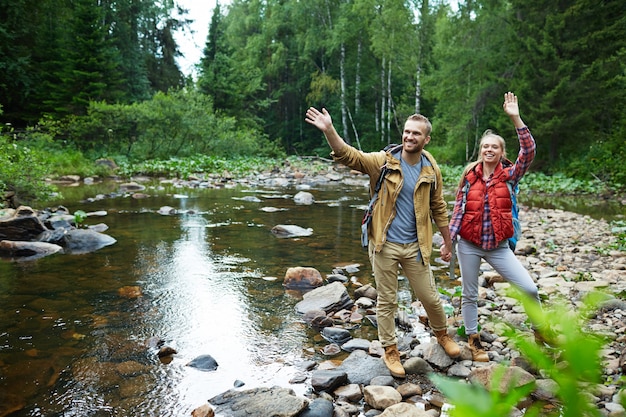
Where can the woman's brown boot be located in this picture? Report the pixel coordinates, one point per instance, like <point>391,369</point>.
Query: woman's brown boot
<point>478,353</point>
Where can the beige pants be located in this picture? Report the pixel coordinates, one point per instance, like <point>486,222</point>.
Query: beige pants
<point>385,266</point>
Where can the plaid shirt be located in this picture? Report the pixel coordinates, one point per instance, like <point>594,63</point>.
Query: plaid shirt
<point>515,172</point>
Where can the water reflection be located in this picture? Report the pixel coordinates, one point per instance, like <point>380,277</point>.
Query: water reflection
<point>73,344</point>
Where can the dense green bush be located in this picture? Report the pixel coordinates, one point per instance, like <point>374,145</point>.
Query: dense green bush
<point>177,124</point>
<point>22,171</point>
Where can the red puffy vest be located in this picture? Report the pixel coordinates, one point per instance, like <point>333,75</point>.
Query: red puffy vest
<point>499,206</point>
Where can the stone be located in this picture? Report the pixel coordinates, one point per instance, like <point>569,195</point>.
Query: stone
<point>290,230</point>
<point>329,298</point>
<point>263,401</point>
<point>203,363</point>
<point>302,277</point>
<point>381,397</point>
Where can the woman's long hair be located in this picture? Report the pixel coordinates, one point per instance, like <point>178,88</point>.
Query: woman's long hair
<point>487,134</point>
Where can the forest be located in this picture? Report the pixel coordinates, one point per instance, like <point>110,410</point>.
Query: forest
<point>90,79</point>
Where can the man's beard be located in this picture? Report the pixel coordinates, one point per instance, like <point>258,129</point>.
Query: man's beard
<point>414,149</point>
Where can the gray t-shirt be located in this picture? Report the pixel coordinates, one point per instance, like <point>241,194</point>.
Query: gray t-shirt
<point>403,228</point>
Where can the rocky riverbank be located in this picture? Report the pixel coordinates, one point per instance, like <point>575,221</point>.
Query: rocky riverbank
<point>568,255</point>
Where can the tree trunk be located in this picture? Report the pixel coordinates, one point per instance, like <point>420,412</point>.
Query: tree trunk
<point>342,75</point>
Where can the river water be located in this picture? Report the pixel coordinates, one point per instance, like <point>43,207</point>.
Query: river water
<point>207,280</point>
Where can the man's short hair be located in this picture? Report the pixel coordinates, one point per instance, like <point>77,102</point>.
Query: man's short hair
<point>420,118</point>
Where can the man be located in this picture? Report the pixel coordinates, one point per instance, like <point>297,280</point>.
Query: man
<point>400,232</point>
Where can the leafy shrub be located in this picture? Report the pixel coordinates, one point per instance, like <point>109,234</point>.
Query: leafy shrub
<point>572,361</point>
<point>24,170</point>
<point>177,124</point>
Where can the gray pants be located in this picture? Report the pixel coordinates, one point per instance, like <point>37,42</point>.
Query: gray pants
<point>504,261</point>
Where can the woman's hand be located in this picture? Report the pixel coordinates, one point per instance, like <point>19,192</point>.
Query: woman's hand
<point>510,105</point>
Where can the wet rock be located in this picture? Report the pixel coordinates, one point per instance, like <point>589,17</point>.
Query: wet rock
<point>302,278</point>
<point>130,291</point>
<point>337,278</point>
<point>290,230</point>
<point>327,380</point>
<point>356,344</point>
<point>21,224</point>
<point>317,319</point>
<point>167,211</point>
<point>381,397</point>
<point>166,351</point>
<point>329,298</point>
<point>304,198</point>
<point>336,335</point>
<point>319,407</point>
<point>366,291</point>
<point>203,363</point>
<point>351,392</point>
<point>263,401</point>
<point>361,368</point>
<point>512,375</point>
<point>28,251</point>
<point>330,350</point>
<point>80,241</point>
<point>131,187</point>
<point>203,411</point>
<point>404,410</point>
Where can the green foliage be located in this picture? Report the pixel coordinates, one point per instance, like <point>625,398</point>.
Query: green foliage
<point>23,171</point>
<point>470,400</point>
<point>560,183</point>
<point>79,216</point>
<point>571,359</point>
<point>199,165</point>
<point>177,124</point>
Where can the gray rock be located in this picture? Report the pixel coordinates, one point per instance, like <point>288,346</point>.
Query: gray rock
<point>355,344</point>
<point>203,363</point>
<point>330,298</point>
<point>319,407</point>
<point>290,230</point>
<point>336,335</point>
<point>275,401</point>
<point>328,379</point>
<point>79,241</point>
<point>28,251</point>
<point>361,368</point>
<point>304,198</point>
<point>21,224</point>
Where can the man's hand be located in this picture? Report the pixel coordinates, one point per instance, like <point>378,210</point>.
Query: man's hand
<point>321,120</point>
<point>446,253</point>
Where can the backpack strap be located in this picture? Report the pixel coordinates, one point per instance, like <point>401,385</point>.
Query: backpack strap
<point>367,216</point>
<point>466,187</point>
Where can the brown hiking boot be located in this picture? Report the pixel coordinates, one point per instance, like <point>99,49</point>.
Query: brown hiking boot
<point>392,360</point>
<point>478,353</point>
<point>446,342</point>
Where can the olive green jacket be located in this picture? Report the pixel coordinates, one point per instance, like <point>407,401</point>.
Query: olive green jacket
<point>428,197</point>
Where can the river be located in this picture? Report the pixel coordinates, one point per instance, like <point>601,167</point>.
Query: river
<point>207,280</point>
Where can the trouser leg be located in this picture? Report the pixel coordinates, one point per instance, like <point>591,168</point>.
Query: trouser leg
<point>385,267</point>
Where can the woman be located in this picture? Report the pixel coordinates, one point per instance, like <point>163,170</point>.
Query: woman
<point>482,219</point>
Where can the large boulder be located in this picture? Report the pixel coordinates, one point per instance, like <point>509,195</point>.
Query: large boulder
<point>21,224</point>
<point>275,401</point>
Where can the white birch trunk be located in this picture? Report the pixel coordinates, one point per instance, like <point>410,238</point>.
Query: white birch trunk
<point>342,75</point>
